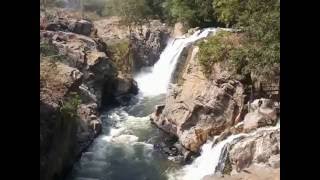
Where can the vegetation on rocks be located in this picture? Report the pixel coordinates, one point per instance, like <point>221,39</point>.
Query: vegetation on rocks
<point>218,48</point>
<point>259,22</point>
<point>70,106</point>
<point>119,52</point>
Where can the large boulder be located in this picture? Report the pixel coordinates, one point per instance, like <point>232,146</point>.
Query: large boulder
<point>262,147</point>
<point>263,113</point>
<point>200,108</point>
<point>124,88</point>
<point>81,27</point>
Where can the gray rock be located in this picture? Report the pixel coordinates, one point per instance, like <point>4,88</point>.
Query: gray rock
<point>206,111</point>
<point>81,27</point>
<point>257,147</point>
<point>261,115</point>
<point>274,161</point>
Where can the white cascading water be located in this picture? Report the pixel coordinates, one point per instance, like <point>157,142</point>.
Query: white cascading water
<point>156,82</point>
<point>207,162</point>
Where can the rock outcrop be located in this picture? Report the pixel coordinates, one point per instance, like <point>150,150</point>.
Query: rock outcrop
<point>148,40</point>
<point>75,82</point>
<point>254,172</point>
<point>200,108</point>
<point>262,113</point>
<point>261,147</point>
<point>82,27</point>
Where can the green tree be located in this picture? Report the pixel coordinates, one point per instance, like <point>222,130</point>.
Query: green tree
<point>191,12</point>
<point>259,20</point>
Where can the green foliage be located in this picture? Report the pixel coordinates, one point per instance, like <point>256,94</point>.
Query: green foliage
<point>260,22</point>
<point>215,49</point>
<point>49,52</point>
<point>156,9</point>
<point>70,106</point>
<point>191,12</point>
<point>226,10</point>
<point>131,11</point>
<point>119,52</point>
<point>94,6</point>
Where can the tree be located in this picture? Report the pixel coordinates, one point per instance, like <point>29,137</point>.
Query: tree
<point>260,22</point>
<point>191,12</point>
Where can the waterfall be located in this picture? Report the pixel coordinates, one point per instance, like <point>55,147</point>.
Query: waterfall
<point>156,81</point>
<point>127,138</point>
<point>205,164</point>
<point>212,159</point>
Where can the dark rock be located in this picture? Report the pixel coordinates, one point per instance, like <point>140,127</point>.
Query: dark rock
<point>81,27</point>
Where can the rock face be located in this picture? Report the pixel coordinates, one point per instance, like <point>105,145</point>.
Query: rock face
<point>179,30</point>
<point>262,113</point>
<point>73,87</point>
<point>147,41</point>
<point>200,108</point>
<point>261,147</point>
<point>254,172</point>
<point>82,27</point>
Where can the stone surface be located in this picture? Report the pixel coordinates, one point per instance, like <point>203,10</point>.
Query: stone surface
<point>83,68</point>
<point>200,108</point>
<point>254,172</point>
<point>148,41</point>
<point>261,115</point>
<point>178,30</point>
<point>258,147</point>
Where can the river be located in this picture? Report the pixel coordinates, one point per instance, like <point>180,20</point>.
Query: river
<point>124,150</point>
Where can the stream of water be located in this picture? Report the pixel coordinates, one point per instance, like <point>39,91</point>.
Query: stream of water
<point>124,150</point>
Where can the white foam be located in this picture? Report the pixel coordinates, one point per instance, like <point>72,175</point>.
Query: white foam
<point>156,80</point>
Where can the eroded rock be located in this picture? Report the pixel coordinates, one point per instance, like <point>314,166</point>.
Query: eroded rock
<point>199,109</point>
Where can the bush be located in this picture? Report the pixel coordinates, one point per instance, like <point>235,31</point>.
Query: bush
<point>119,52</point>
<point>260,22</point>
<point>49,52</point>
<point>70,106</point>
<point>216,49</point>
<point>94,5</point>
<point>190,12</point>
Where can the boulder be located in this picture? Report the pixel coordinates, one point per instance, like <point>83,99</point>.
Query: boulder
<point>263,113</point>
<point>274,161</point>
<point>125,85</point>
<point>262,146</point>
<point>81,27</point>
<point>179,30</point>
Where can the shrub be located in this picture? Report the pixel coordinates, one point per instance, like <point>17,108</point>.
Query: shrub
<point>49,52</point>
<point>70,106</point>
<point>94,5</point>
<point>119,52</point>
<point>216,49</point>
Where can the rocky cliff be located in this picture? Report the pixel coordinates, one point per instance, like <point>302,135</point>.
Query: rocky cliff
<point>199,108</point>
<point>147,40</point>
<point>76,78</point>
